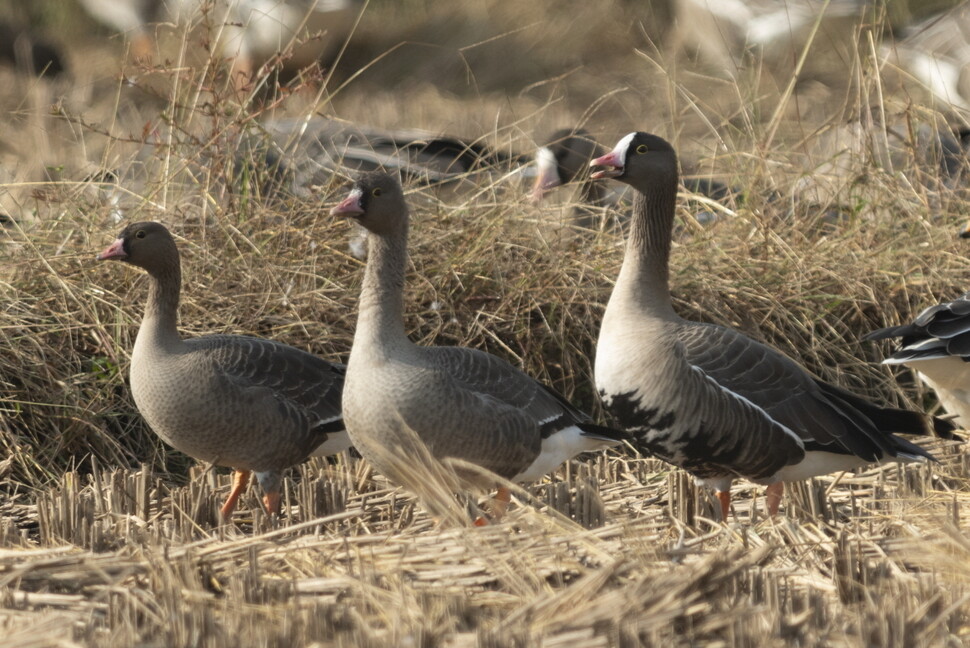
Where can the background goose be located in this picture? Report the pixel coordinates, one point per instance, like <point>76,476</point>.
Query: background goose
<point>251,404</point>
<point>564,159</point>
<point>317,148</point>
<point>935,54</point>
<point>29,52</point>
<point>936,345</point>
<point>461,403</point>
<point>705,397</point>
<point>249,32</point>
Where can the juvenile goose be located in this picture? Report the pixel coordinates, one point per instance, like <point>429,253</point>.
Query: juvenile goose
<point>705,397</point>
<point>462,403</point>
<point>936,345</point>
<point>251,404</point>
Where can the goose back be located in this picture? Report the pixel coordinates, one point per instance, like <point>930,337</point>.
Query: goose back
<point>280,403</point>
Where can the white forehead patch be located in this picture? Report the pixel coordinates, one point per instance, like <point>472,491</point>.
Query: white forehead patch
<point>623,145</point>
<point>545,160</point>
<point>356,193</point>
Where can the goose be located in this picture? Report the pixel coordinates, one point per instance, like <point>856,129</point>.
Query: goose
<point>302,152</point>
<point>705,397</point>
<point>724,35</point>
<point>28,52</point>
<point>564,159</point>
<point>936,345</point>
<point>934,53</point>
<point>248,31</point>
<point>317,148</point>
<point>251,404</point>
<point>460,402</point>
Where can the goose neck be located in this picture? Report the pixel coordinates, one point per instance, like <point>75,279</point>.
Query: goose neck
<point>159,326</point>
<point>645,273</point>
<point>381,311</point>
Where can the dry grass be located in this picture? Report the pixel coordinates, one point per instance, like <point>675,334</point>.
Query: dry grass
<point>109,539</point>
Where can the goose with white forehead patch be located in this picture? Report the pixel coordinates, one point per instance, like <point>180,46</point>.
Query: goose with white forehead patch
<point>461,403</point>
<point>564,159</point>
<point>705,397</point>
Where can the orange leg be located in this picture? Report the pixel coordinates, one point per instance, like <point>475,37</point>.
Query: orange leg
<point>497,507</point>
<point>773,497</point>
<point>240,479</point>
<point>500,503</point>
<point>271,501</point>
<point>725,498</point>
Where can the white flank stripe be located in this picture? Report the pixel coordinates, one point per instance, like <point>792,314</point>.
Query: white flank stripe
<point>790,433</point>
<point>336,442</point>
<point>559,447</point>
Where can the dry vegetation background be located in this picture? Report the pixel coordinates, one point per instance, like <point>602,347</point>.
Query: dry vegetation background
<point>107,537</point>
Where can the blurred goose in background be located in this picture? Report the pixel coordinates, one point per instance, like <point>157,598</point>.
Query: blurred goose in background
<point>310,152</point>
<point>936,345</point>
<point>564,159</point>
<point>29,53</point>
<point>251,404</point>
<point>936,54</point>
<point>132,18</point>
<point>722,33</point>
<point>459,402</point>
<point>934,155</point>
<point>705,397</point>
<point>317,148</point>
<point>285,158</point>
<point>250,32</point>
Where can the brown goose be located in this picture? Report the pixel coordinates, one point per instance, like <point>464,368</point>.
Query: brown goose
<point>705,397</point>
<point>251,404</point>
<point>461,403</point>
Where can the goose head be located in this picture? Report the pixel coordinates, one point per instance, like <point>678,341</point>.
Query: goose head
<point>376,201</point>
<point>564,159</point>
<point>641,160</point>
<point>147,245</point>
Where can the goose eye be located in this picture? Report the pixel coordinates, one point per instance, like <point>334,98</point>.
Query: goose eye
<point>140,234</point>
<point>643,148</point>
<point>377,192</point>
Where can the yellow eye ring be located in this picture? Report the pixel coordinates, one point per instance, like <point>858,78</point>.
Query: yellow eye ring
<point>377,192</point>
<point>643,148</point>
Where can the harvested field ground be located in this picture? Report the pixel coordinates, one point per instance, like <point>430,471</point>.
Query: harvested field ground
<point>109,538</point>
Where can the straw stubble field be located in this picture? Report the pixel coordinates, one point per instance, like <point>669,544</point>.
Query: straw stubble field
<point>109,538</point>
